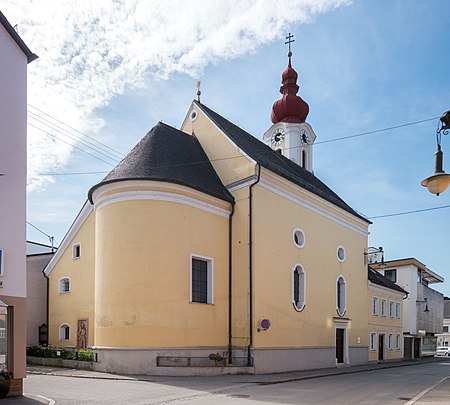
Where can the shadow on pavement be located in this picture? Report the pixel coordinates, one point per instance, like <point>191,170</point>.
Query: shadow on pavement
<point>24,400</point>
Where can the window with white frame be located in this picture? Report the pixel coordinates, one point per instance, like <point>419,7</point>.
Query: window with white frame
<point>2,333</point>
<point>64,332</point>
<point>64,285</point>
<point>76,251</point>
<point>341,296</point>
<point>2,269</point>
<point>373,341</point>
<point>397,341</point>
<point>375,306</point>
<point>298,236</point>
<point>397,310</point>
<point>202,280</point>
<point>390,341</point>
<point>340,253</point>
<point>391,309</point>
<point>298,287</point>
<point>383,307</point>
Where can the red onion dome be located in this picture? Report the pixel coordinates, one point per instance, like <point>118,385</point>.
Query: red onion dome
<point>290,108</point>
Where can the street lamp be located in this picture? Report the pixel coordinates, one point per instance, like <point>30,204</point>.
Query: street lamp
<point>439,180</point>
<point>424,301</point>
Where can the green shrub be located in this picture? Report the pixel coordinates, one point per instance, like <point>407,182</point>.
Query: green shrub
<point>60,353</point>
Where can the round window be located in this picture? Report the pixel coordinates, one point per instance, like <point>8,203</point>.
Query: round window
<point>340,253</point>
<point>194,115</point>
<point>299,237</point>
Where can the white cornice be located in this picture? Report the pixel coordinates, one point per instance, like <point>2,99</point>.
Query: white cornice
<point>74,228</point>
<point>361,229</point>
<point>154,195</point>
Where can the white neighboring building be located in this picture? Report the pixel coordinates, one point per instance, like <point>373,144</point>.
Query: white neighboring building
<point>443,339</point>
<point>14,58</point>
<point>423,308</point>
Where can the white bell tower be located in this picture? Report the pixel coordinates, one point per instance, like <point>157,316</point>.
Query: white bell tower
<point>290,135</point>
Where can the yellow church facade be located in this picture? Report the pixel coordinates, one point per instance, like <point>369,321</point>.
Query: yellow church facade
<point>207,247</point>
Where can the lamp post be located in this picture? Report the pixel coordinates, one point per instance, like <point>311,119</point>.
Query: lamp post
<point>424,301</point>
<point>438,182</point>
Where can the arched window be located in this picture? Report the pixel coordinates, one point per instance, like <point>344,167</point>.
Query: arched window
<point>341,295</point>
<point>64,285</point>
<point>304,159</point>
<point>298,287</point>
<point>64,332</point>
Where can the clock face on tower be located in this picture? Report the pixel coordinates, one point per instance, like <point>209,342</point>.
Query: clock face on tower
<point>278,137</point>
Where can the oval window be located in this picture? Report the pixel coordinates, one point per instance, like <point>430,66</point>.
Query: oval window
<point>299,237</point>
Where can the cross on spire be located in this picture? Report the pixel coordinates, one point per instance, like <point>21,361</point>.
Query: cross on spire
<point>290,39</point>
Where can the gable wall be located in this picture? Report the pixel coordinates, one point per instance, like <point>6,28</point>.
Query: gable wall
<point>67,308</point>
<point>229,163</point>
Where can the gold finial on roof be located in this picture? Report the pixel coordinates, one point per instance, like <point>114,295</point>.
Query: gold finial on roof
<point>198,90</point>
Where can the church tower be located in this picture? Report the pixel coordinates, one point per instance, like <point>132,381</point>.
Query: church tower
<point>290,135</point>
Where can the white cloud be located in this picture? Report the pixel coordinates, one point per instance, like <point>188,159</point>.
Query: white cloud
<point>92,51</point>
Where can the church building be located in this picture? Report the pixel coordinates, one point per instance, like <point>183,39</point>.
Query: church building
<point>207,250</point>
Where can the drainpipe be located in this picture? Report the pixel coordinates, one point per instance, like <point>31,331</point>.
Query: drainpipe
<point>46,304</point>
<point>250,267</point>
<point>230,287</point>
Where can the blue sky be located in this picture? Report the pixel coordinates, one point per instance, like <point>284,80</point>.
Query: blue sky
<point>112,72</point>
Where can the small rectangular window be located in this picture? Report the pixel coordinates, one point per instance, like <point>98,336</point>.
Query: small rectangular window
<point>397,341</point>
<point>201,280</point>
<point>64,285</point>
<point>445,329</point>
<point>390,341</point>
<point>391,309</point>
<point>383,307</point>
<point>375,306</point>
<point>373,341</point>
<point>76,251</point>
<point>391,275</point>
<point>64,332</point>
<point>397,310</point>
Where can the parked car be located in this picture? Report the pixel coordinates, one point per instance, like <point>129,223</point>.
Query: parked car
<point>443,351</point>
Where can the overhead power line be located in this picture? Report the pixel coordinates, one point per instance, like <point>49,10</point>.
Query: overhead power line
<point>51,238</point>
<point>376,131</point>
<point>73,146</point>
<point>76,138</point>
<point>120,154</point>
<point>245,155</point>
<point>409,212</point>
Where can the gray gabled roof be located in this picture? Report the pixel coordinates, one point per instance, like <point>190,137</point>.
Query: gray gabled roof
<point>276,162</point>
<point>377,278</point>
<point>170,155</point>
<point>15,36</point>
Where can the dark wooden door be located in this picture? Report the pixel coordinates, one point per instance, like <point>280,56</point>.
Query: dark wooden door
<point>340,345</point>
<point>380,347</point>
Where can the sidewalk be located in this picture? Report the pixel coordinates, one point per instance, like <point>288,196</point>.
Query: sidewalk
<point>224,381</point>
<point>264,379</point>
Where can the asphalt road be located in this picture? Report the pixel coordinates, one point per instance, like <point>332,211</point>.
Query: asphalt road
<point>399,385</point>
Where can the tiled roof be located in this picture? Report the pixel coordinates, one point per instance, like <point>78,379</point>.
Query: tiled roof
<point>276,162</point>
<point>170,155</point>
<point>377,278</point>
